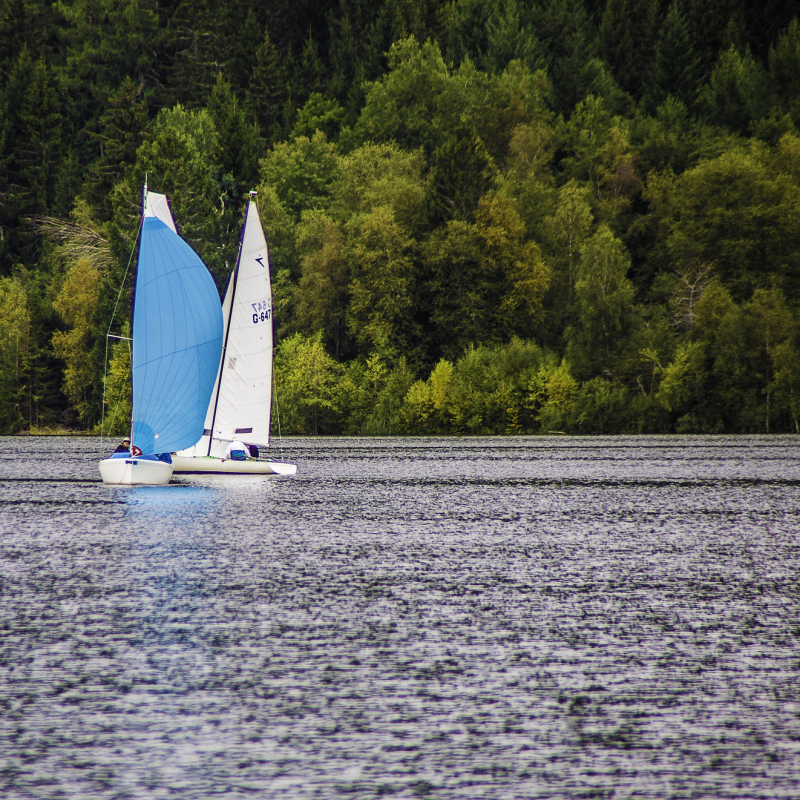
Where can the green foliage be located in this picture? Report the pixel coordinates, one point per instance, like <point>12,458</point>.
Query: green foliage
<point>485,391</point>
<point>567,231</point>
<point>123,127</point>
<point>482,216</point>
<point>784,71</point>
<point>604,301</point>
<point>15,352</point>
<point>376,396</point>
<point>488,281</point>
<point>382,175</point>
<point>321,295</point>
<point>601,407</point>
<point>105,41</point>
<point>178,158</point>
<point>266,89</point>
<point>22,27</point>
<point>737,91</point>
<point>627,37</point>
<point>676,65</point>
<point>554,394</point>
<point>492,34</point>
<point>76,303</point>
<point>682,378</point>
<point>30,152</point>
<point>301,172</point>
<point>196,42</point>
<point>739,213</point>
<point>308,383</point>
<point>237,145</point>
<point>116,419</point>
<point>403,106</point>
<point>381,256</point>
<point>318,114</point>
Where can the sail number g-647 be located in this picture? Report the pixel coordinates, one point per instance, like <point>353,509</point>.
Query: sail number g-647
<point>261,311</point>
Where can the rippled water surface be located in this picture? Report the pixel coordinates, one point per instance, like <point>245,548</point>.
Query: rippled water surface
<point>443,618</point>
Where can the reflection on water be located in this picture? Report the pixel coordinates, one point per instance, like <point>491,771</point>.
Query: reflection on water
<point>174,500</point>
<point>485,618</point>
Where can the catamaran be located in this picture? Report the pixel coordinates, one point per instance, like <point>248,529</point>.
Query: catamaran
<point>241,402</point>
<point>176,345</point>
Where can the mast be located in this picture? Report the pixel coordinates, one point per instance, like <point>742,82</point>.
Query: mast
<point>133,300</point>
<point>234,277</point>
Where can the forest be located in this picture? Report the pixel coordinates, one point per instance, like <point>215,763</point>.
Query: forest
<point>484,216</point>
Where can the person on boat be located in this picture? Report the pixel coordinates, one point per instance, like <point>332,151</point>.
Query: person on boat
<point>237,451</point>
<point>125,447</point>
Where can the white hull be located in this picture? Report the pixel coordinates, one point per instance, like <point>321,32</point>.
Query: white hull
<point>135,472</point>
<point>217,465</point>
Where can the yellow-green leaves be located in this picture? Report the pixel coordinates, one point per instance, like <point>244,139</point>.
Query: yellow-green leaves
<point>737,211</point>
<point>76,304</point>
<point>301,172</point>
<point>604,298</point>
<point>117,414</point>
<point>321,295</point>
<point>382,283</point>
<point>307,384</point>
<point>15,322</point>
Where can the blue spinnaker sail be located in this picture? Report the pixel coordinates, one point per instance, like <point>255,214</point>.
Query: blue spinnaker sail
<point>177,341</point>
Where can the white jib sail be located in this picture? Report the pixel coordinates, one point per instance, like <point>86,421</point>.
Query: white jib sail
<point>242,399</point>
<point>156,205</point>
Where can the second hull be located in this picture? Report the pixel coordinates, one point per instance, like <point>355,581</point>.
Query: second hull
<point>229,467</point>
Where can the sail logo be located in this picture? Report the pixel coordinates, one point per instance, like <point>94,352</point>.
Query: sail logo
<point>260,260</point>
<point>262,311</point>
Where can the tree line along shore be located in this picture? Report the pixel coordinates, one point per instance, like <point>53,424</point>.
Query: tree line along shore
<point>484,216</point>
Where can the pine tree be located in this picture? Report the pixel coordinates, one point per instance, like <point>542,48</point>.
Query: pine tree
<point>242,41</point>
<point>237,146</point>
<point>266,90</point>
<point>676,67</point>
<point>30,135</point>
<point>784,71</point>
<point>104,41</point>
<point>21,25</point>
<point>765,20</point>
<point>122,130</point>
<point>570,46</point>
<point>195,40</point>
<point>627,39</point>
<point>309,76</point>
<point>736,93</point>
<point>713,25</point>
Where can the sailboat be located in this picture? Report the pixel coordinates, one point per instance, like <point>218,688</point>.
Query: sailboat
<point>176,345</point>
<point>241,403</point>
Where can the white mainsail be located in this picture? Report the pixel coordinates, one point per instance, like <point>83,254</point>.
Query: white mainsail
<point>241,402</point>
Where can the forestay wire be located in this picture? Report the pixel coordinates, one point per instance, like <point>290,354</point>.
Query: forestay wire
<point>109,334</point>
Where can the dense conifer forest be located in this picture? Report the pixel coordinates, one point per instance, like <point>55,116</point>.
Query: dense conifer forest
<point>485,216</point>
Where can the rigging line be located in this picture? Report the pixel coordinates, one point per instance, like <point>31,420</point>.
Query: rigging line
<point>116,407</point>
<point>122,285</point>
<point>234,277</point>
<point>108,331</point>
<point>277,410</point>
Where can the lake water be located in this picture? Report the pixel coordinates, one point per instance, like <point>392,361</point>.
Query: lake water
<point>443,618</point>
